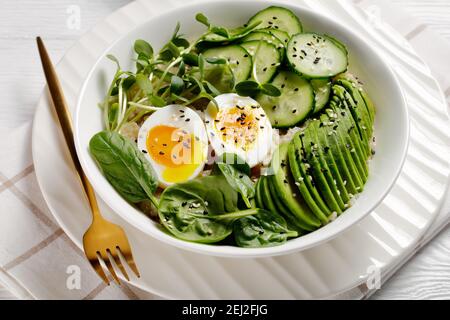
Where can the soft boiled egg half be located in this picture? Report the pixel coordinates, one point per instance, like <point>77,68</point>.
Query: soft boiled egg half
<point>239,125</point>
<point>175,142</point>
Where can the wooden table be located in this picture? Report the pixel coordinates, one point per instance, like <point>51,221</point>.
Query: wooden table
<point>426,276</point>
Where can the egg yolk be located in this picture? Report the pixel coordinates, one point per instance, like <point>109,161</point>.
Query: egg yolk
<point>179,151</point>
<point>238,126</point>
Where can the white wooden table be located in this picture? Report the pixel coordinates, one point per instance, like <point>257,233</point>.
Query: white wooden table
<point>426,276</point>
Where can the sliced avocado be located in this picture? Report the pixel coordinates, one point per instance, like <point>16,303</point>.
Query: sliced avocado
<point>343,136</point>
<point>306,177</point>
<point>294,157</point>
<point>359,101</point>
<point>258,195</point>
<point>318,171</point>
<point>345,127</point>
<point>286,193</point>
<point>331,160</point>
<point>369,104</point>
<point>358,117</point>
<point>357,86</point>
<point>269,194</point>
<point>333,143</point>
<point>327,171</point>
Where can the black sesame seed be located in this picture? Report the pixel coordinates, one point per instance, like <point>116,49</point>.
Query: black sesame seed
<point>144,151</point>
<point>182,111</point>
<point>274,18</point>
<point>274,107</point>
<point>245,55</point>
<point>161,153</point>
<point>187,120</point>
<point>296,89</point>
<point>294,111</point>
<point>265,69</point>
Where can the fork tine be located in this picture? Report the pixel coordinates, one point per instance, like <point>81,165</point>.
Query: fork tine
<point>108,264</point>
<point>95,263</point>
<point>118,262</point>
<point>129,258</point>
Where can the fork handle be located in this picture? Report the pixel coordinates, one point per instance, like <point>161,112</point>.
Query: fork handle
<point>62,111</point>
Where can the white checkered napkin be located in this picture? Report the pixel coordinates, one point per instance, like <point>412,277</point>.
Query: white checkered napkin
<point>35,253</point>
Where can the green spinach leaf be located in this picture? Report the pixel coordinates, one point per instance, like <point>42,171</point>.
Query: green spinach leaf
<point>202,210</point>
<point>124,166</point>
<point>267,229</point>
<point>237,173</point>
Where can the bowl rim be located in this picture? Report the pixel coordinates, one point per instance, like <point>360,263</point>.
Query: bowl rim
<point>231,251</point>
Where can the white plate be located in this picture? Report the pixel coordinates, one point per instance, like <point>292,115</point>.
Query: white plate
<point>391,123</point>
<point>341,264</point>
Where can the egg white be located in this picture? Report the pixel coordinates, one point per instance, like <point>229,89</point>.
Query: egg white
<point>263,144</point>
<point>180,117</point>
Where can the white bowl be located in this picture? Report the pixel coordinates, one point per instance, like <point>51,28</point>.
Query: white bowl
<point>391,125</point>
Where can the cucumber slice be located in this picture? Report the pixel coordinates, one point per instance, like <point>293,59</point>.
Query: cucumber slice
<point>262,35</point>
<point>322,91</point>
<point>316,56</point>
<point>238,58</point>
<point>295,103</point>
<point>278,18</point>
<point>281,35</point>
<point>283,182</point>
<point>266,59</point>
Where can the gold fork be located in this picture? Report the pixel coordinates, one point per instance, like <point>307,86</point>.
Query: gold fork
<point>104,242</point>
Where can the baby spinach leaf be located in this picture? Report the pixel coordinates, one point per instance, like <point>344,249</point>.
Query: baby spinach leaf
<point>239,181</point>
<point>124,166</point>
<point>265,229</point>
<point>202,210</point>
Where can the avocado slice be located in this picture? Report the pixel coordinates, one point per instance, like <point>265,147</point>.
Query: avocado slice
<point>269,194</point>
<point>326,170</point>
<point>333,144</point>
<point>344,141</point>
<point>282,180</point>
<point>318,172</point>
<point>358,117</point>
<point>358,96</point>
<point>345,127</point>
<point>258,195</point>
<point>331,160</point>
<point>294,157</point>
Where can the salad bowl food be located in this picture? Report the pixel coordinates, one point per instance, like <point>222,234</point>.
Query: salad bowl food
<point>242,129</point>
